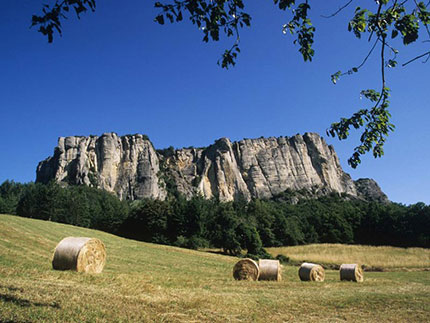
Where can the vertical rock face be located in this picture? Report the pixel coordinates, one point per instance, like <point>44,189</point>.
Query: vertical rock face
<point>260,168</point>
<point>130,167</point>
<point>127,166</point>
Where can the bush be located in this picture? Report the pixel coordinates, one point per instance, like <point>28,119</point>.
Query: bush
<point>196,242</point>
<point>259,254</point>
<point>283,259</point>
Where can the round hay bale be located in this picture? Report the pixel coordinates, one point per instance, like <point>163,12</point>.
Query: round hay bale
<point>246,269</point>
<point>269,269</point>
<point>351,272</point>
<point>311,272</point>
<point>81,254</point>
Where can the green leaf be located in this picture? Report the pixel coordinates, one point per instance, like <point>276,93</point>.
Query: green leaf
<point>159,19</point>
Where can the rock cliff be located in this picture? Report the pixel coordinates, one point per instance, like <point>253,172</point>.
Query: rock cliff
<point>127,165</point>
<point>130,167</point>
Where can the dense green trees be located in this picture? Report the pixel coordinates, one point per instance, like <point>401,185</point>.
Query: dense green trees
<point>10,193</point>
<point>234,227</point>
<point>78,205</point>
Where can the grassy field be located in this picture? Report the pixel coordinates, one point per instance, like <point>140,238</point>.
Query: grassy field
<point>150,283</point>
<point>376,258</point>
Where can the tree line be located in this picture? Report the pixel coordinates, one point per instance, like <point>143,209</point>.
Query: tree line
<point>233,227</point>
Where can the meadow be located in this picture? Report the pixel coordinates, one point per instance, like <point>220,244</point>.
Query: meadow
<point>153,283</point>
<point>372,258</point>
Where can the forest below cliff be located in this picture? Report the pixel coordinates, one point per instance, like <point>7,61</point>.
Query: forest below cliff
<point>290,218</point>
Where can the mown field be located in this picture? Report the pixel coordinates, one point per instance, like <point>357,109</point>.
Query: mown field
<point>372,258</point>
<point>152,283</point>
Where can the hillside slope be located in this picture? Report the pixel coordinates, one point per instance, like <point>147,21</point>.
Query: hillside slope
<point>145,282</point>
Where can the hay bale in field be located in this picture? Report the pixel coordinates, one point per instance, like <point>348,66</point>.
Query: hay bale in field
<point>269,269</point>
<point>312,272</point>
<point>246,269</point>
<point>81,254</point>
<point>351,272</point>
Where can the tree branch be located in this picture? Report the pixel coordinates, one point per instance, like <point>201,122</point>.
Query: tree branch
<point>426,26</point>
<point>368,55</point>
<point>418,57</point>
<point>383,36</point>
<point>339,10</point>
<point>355,69</point>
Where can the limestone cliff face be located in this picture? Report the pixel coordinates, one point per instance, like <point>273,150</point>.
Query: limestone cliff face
<point>127,166</point>
<point>130,167</point>
<point>259,168</point>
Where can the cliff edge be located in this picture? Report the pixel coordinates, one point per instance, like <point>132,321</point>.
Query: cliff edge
<point>130,167</point>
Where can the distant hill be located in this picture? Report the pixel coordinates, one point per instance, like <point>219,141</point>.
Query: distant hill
<point>130,167</point>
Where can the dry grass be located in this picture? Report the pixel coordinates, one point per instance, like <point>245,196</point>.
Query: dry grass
<point>150,283</point>
<point>386,258</point>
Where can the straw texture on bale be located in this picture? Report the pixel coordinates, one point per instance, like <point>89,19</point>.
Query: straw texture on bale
<point>312,272</point>
<point>269,269</point>
<point>351,272</point>
<point>81,254</point>
<point>246,269</point>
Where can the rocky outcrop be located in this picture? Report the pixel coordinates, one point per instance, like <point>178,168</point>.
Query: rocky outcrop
<point>127,165</point>
<point>369,190</point>
<point>130,167</point>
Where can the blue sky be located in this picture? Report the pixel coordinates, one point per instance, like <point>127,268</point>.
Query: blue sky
<point>117,70</point>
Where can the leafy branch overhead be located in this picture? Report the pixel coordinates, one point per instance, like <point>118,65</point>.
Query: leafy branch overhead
<point>50,21</point>
<point>381,21</point>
